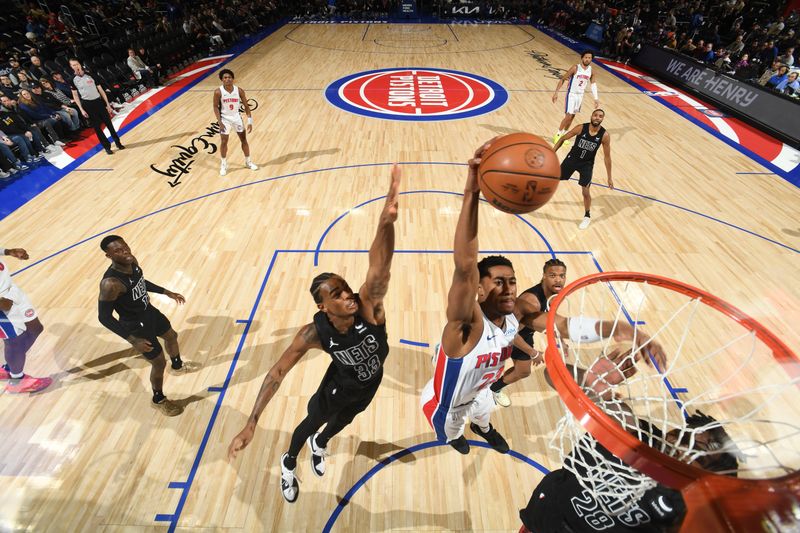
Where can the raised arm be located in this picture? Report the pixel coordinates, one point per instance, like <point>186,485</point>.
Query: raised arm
<point>375,287</point>
<point>463,311</point>
<point>305,339</point>
<point>607,158</point>
<point>567,75</point>
<point>569,135</point>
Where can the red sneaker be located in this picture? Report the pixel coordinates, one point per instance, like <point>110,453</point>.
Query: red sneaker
<point>28,384</point>
<point>4,374</point>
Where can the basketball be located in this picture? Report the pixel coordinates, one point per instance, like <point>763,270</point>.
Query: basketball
<point>519,173</point>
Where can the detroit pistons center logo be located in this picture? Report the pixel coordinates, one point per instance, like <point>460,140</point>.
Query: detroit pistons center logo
<point>422,94</point>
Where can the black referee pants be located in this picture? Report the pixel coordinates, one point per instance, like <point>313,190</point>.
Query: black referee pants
<point>98,117</point>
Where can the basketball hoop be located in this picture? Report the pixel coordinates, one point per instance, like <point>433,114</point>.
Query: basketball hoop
<point>719,361</point>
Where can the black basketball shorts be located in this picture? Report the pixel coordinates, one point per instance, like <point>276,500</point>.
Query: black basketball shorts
<point>151,325</point>
<point>571,165</point>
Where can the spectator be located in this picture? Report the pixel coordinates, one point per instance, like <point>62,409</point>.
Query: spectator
<point>61,96</point>
<point>29,141</point>
<point>41,115</point>
<point>6,87</point>
<point>69,116</point>
<point>689,48</point>
<point>60,83</point>
<point>789,85</point>
<point>776,27</point>
<point>140,70</point>
<point>36,69</point>
<point>737,45</point>
<point>708,55</point>
<point>6,144</point>
<point>769,72</point>
<point>788,57</point>
<point>768,54</point>
<point>743,63</point>
<point>781,75</point>
<point>154,66</point>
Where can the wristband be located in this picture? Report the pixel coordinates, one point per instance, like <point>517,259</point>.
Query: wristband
<point>594,91</point>
<point>249,121</point>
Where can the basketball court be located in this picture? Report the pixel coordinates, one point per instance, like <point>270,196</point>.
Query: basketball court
<point>89,453</point>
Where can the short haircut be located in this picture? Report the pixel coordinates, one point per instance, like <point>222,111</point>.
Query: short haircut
<point>603,111</point>
<point>108,239</point>
<point>317,282</point>
<point>723,455</point>
<point>226,71</point>
<point>75,59</point>
<point>492,261</point>
<point>587,52</point>
<point>553,263</point>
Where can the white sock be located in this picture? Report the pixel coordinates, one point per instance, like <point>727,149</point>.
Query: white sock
<point>562,132</point>
<point>486,429</point>
<point>224,161</point>
<point>17,376</point>
<point>246,160</point>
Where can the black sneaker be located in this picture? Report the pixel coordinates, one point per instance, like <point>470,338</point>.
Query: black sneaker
<point>289,486</point>
<point>460,444</point>
<point>109,152</point>
<point>318,456</point>
<point>495,439</point>
<point>120,146</point>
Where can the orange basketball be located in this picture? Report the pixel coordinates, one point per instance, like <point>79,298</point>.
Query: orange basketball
<point>519,173</point>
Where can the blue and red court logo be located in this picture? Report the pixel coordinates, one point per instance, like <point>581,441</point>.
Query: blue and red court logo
<point>416,94</point>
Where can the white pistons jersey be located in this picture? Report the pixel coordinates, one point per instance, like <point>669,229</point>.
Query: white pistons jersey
<point>229,103</point>
<point>580,80</point>
<point>456,382</point>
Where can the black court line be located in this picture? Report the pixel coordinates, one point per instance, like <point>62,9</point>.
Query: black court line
<point>525,31</point>
<point>453,32</point>
<point>293,29</point>
<point>365,32</point>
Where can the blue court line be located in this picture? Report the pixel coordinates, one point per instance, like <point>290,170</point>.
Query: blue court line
<point>681,390</point>
<point>383,463</point>
<point>346,167</point>
<point>173,518</point>
<point>415,343</point>
<point>428,191</point>
<point>216,389</point>
<point>792,177</point>
<point>245,321</point>
<point>17,193</point>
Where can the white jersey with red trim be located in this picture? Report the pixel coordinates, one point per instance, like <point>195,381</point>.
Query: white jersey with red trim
<point>229,103</point>
<point>580,80</point>
<point>5,279</point>
<point>456,382</point>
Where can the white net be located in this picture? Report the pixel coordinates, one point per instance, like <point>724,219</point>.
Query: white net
<point>722,400</point>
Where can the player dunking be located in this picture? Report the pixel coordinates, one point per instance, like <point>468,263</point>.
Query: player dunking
<point>581,158</point>
<point>19,329</point>
<point>124,290</point>
<point>578,77</point>
<point>477,338</point>
<point>351,328</point>
<point>227,99</point>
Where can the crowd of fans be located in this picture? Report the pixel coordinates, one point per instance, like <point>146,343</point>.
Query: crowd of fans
<point>746,39</point>
<point>130,45</point>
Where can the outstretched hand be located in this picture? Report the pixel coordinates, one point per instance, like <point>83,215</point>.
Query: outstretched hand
<point>19,253</point>
<point>392,201</point>
<point>472,176</point>
<point>175,296</point>
<point>240,442</point>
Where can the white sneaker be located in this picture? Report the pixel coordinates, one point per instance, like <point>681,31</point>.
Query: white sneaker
<point>58,143</point>
<point>251,165</point>
<point>501,398</point>
<point>223,169</point>
<point>585,223</point>
<point>318,455</point>
<point>289,486</point>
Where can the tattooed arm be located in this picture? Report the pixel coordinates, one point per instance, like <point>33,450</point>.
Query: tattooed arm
<point>305,339</point>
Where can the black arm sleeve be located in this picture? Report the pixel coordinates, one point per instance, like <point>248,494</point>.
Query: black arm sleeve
<point>104,314</point>
<point>152,287</point>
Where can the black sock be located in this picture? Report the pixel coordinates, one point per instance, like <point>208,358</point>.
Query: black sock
<point>290,462</point>
<point>158,396</point>
<point>176,362</point>
<point>587,215</point>
<point>498,385</point>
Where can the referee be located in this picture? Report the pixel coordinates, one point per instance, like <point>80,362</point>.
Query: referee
<point>91,98</point>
